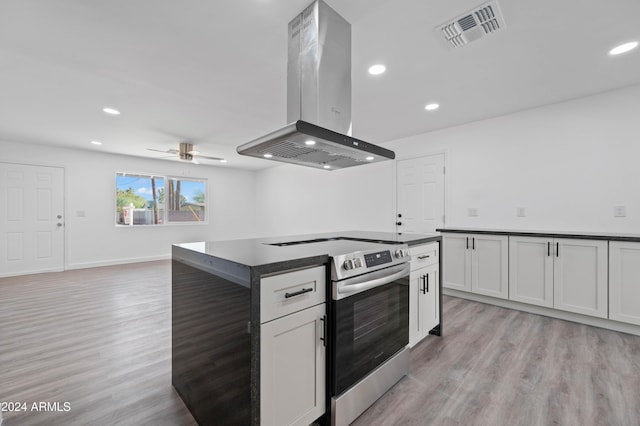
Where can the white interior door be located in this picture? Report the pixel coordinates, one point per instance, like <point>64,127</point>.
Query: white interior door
<point>31,219</point>
<point>420,194</point>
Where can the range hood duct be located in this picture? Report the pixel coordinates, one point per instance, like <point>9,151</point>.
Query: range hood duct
<point>318,98</point>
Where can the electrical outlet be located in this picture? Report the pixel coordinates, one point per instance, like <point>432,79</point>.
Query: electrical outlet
<point>80,213</point>
<point>521,212</point>
<point>619,211</point>
<point>472,212</point>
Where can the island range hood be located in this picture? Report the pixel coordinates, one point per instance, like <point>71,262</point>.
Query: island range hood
<point>318,98</point>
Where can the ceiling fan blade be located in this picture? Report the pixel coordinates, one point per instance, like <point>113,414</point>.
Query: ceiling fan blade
<point>167,151</point>
<point>208,157</point>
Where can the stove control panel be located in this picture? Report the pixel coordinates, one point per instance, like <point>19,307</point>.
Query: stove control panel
<point>356,263</point>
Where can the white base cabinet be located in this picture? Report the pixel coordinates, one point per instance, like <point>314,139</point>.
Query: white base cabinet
<point>580,276</point>
<point>624,282</point>
<point>477,263</point>
<point>424,291</point>
<point>561,273</point>
<point>293,348</point>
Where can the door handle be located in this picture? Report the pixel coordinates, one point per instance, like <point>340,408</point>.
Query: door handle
<point>423,284</point>
<point>467,243</point>
<point>426,285</point>
<point>324,330</point>
<point>557,249</point>
<point>473,241</point>
<point>548,248</point>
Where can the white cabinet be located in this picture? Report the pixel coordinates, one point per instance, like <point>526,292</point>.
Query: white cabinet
<point>580,276</point>
<point>477,263</point>
<point>624,281</point>
<point>531,270</point>
<point>563,273</point>
<point>424,291</point>
<point>293,348</point>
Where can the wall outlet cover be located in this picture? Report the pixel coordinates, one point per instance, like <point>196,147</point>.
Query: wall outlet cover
<point>472,211</point>
<point>521,212</point>
<point>619,211</point>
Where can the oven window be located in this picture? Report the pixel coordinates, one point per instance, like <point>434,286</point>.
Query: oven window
<point>368,328</point>
<point>369,315</point>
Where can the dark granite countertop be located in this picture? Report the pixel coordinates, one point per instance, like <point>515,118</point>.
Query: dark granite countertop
<point>268,255</point>
<point>547,234</point>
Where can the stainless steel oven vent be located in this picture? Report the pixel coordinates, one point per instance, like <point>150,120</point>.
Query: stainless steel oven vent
<point>318,98</point>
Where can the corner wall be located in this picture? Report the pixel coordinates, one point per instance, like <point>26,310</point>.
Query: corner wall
<point>567,164</point>
<point>94,240</point>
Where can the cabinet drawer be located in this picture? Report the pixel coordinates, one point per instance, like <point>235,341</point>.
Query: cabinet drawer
<point>290,292</point>
<point>424,255</point>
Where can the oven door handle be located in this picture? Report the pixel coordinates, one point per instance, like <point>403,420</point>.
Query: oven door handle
<point>357,285</point>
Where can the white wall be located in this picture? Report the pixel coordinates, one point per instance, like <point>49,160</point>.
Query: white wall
<point>567,164</point>
<point>90,185</point>
<point>296,200</point>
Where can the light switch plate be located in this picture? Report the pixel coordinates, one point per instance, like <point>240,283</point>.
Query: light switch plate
<point>521,212</point>
<point>619,211</point>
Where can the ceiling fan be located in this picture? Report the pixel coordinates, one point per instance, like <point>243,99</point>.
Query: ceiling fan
<point>186,153</point>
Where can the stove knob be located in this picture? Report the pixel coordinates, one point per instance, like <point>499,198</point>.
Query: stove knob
<point>357,263</point>
<point>398,254</point>
<point>348,265</point>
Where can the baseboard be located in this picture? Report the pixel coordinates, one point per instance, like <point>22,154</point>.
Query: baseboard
<point>549,312</point>
<point>113,262</point>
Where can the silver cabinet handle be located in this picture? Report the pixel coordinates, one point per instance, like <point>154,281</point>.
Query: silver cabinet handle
<point>423,257</point>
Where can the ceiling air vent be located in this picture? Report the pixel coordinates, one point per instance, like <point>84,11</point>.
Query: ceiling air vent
<point>472,25</point>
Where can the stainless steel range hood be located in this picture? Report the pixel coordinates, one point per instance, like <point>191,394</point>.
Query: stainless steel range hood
<point>318,98</point>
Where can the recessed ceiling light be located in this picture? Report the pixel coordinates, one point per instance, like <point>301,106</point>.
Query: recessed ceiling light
<point>623,48</point>
<point>268,155</point>
<point>310,142</point>
<point>326,166</point>
<point>369,158</point>
<point>432,107</point>
<point>111,111</point>
<point>377,69</point>
<point>96,142</point>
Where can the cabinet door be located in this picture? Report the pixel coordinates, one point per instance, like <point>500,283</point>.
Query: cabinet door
<point>424,306</point>
<point>489,263</point>
<point>456,261</point>
<point>580,276</point>
<point>292,368</point>
<point>429,306</point>
<point>531,270</point>
<point>624,282</point>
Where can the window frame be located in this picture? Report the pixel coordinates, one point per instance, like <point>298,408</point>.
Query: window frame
<point>165,216</point>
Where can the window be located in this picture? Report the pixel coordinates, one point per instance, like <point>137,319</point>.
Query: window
<point>157,200</point>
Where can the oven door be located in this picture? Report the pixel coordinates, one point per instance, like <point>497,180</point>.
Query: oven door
<point>370,323</point>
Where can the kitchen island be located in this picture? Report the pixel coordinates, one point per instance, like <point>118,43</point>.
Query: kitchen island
<point>216,313</point>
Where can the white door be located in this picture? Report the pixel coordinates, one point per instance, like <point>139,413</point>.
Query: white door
<point>420,194</point>
<point>31,219</point>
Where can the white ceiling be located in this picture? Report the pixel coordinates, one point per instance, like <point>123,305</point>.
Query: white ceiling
<point>214,72</point>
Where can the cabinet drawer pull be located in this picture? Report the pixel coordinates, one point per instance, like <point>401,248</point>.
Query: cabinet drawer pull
<point>423,257</point>
<point>324,330</point>
<point>297,293</point>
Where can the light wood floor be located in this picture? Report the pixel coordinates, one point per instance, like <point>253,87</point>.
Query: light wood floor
<point>497,366</point>
<point>99,339</point>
